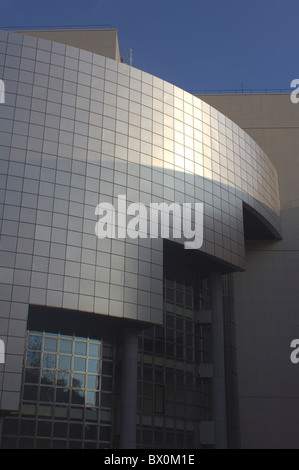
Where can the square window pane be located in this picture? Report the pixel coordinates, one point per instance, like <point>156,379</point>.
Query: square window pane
<point>107,368</point>
<point>94,350</point>
<point>60,412</point>
<point>92,398</point>
<point>49,361</point>
<point>47,394</point>
<point>93,382</point>
<point>48,377</point>
<point>60,429</point>
<point>32,376</point>
<point>78,397</point>
<point>34,343</point>
<point>30,392</point>
<point>105,433</point>
<point>63,379</point>
<point>91,432</point>
<point>76,431</point>
<point>80,349</point>
<point>33,359</point>
<point>79,364</point>
<point>27,428</point>
<point>64,362</point>
<point>65,346</point>
<point>93,366</point>
<point>78,380</point>
<point>62,395</point>
<point>106,384</point>
<point>76,413</point>
<point>106,400</point>
<point>50,344</point>
<point>92,414</point>
<point>44,428</point>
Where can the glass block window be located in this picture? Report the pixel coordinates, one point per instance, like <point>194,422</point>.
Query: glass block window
<point>67,394</point>
<point>172,397</point>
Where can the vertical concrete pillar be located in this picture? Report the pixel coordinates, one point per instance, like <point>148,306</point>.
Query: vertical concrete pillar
<point>219,389</point>
<point>129,389</point>
<point>1,427</point>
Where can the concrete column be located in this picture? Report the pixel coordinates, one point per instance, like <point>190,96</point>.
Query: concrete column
<point>219,389</point>
<point>129,389</point>
<point>1,427</point>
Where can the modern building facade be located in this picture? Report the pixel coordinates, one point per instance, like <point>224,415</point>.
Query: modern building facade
<point>122,342</point>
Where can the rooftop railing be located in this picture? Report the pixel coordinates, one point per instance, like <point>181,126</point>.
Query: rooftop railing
<point>241,91</point>
<point>41,28</point>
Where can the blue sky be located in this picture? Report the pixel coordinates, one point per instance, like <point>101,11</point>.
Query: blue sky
<point>195,44</point>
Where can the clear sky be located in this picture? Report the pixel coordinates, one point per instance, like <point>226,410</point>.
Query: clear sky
<point>195,44</point>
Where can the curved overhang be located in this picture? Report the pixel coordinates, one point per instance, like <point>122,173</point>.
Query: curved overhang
<point>257,227</point>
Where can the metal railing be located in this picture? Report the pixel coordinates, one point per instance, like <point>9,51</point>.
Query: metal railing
<point>39,28</point>
<point>240,91</point>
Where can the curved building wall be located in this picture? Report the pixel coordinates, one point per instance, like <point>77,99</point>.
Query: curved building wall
<point>78,129</point>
